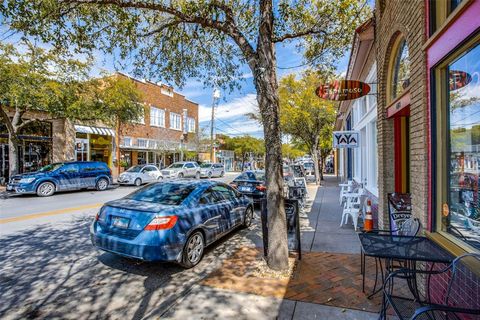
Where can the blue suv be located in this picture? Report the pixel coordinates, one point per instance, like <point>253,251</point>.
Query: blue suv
<point>62,176</point>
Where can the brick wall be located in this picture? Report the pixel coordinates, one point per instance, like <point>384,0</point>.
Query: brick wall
<point>152,96</point>
<point>392,19</point>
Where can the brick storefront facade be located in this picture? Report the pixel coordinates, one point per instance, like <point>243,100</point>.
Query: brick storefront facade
<point>164,143</point>
<point>393,19</point>
<point>419,104</point>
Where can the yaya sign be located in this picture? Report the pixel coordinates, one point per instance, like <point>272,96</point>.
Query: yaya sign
<point>345,139</point>
<point>340,90</point>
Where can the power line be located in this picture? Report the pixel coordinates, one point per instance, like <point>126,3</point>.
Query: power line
<point>230,126</point>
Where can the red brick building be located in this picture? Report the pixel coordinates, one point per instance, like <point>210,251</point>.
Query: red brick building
<point>169,127</point>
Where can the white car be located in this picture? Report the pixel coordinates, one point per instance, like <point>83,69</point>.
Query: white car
<point>210,170</point>
<point>182,169</point>
<point>137,175</point>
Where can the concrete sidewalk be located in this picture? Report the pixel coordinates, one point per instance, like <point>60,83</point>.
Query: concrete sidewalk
<point>233,293</point>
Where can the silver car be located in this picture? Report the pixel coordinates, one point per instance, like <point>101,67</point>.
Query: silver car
<point>182,169</point>
<point>137,175</point>
<point>210,170</point>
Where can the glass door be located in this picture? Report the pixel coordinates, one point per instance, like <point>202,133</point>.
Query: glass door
<point>81,149</point>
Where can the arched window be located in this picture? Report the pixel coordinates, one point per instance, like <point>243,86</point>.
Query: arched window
<point>400,80</point>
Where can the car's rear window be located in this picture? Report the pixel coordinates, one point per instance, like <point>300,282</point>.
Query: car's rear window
<point>260,176</point>
<point>163,193</point>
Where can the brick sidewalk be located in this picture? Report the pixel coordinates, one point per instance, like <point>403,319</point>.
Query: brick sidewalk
<point>324,278</point>
<point>326,283</point>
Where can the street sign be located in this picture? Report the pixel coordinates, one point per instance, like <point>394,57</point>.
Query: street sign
<point>340,90</point>
<point>345,139</point>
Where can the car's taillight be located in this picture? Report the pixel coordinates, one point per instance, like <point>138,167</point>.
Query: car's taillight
<point>162,223</point>
<point>233,185</point>
<point>261,188</point>
<point>97,216</point>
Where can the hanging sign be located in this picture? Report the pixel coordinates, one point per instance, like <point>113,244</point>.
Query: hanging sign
<point>345,139</point>
<point>458,79</point>
<point>340,90</point>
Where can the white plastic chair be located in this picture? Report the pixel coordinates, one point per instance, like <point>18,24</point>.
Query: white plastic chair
<point>344,189</point>
<point>353,207</point>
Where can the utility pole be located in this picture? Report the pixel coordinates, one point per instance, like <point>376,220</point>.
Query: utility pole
<point>216,96</point>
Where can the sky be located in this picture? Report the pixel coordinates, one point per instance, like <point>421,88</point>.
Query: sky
<point>233,106</point>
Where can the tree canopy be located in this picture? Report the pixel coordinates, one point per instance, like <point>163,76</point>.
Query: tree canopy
<point>40,85</point>
<point>177,39</point>
<point>303,115</point>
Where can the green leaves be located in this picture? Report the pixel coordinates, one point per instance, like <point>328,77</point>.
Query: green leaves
<point>302,114</point>
<point>173,40</point>
<point>44,81</point>
<point>244,144</point>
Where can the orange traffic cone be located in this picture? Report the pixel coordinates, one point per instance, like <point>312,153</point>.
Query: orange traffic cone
<point>368,223</point>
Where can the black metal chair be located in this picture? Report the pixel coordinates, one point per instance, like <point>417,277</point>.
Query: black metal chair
<point>458,301</point>
<point>409,227</point>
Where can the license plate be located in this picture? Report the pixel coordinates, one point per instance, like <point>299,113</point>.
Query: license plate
<point>9,188</point>
<point>120,222</point>
<point>245,189</point>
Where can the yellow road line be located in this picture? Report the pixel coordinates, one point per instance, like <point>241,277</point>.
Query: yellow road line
<point>49,213</point>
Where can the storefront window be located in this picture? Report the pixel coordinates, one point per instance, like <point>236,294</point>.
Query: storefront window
<point>142,157</point>
<point>401,70</point>
<point>439,12</point>
<point>462,216</point>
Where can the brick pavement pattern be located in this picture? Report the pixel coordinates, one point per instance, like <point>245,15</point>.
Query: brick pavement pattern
<point>325,278</point>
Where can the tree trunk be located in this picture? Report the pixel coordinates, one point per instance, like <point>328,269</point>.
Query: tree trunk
<point>265,79</point>
<point>13,157</point>
<point>12,125</point>
<point>321,166</point>
<point>117,145</point>
<point>314,153</point>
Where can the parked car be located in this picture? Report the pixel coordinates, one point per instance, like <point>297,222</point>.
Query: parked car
<point>309,169</point>
<point>140,174</point>
<point>170,220</point>
<point>182,169</point>
<point>210,170</point>
<point>251,183</point>
<point>62,176</point>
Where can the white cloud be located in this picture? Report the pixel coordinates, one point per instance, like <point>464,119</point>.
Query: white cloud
<point>236,107</point>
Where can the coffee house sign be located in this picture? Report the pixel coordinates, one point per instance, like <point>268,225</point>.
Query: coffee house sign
<point>340,90</point>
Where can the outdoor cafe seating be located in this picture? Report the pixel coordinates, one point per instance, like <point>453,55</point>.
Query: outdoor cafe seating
<point>407,264</point>
<point>353,198</point>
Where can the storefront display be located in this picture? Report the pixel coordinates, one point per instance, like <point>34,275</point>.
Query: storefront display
<point>462,220</point>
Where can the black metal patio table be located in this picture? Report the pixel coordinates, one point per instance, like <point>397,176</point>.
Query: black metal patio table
<point>404,248</point>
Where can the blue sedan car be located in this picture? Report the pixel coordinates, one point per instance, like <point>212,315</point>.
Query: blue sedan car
<point>170,221</point>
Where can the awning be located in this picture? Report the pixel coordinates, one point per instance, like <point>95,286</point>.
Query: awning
<point>95,130</point>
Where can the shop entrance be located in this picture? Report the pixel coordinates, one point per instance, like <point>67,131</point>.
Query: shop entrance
<point>399,113</point>
<point>402,152</point>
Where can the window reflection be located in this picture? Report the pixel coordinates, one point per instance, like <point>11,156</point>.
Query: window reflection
<point>463,218</point>
<point>401,70</point>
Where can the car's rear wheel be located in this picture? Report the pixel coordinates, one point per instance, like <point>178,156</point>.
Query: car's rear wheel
<point>46,189</point>
<point>180,175</point>
<point>209,175</point>
<point>222,174</point>
<point>197,175</point>
<point>247,220</point>
<point>138,182</point>
<point>193,250</point>
<point>102,184</point>
<point>160,178</point>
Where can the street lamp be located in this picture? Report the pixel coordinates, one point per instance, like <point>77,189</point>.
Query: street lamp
<point>216,96</point>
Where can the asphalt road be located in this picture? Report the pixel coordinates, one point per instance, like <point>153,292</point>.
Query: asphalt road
<point>18,211</point>
<point>50,269</point>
